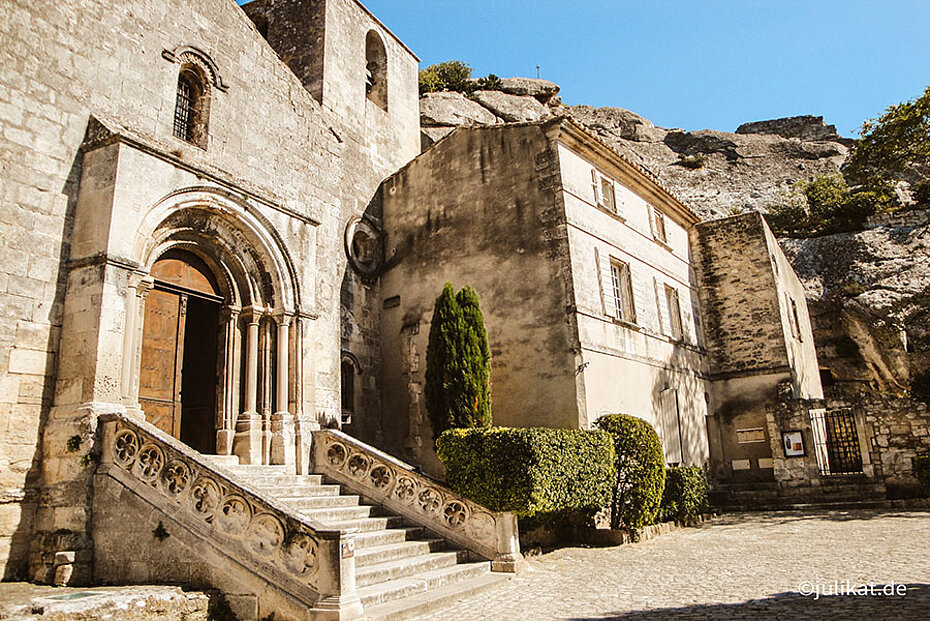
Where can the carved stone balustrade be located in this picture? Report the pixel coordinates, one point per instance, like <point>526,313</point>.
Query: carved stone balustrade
<point>253,532</point>
<point>383,479</point>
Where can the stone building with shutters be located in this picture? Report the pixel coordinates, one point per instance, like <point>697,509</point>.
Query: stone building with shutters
<point>595,282</point>
<point>218,225</point>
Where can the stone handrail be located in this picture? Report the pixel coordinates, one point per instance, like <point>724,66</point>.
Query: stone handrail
<point>383,479</point>
<point>312,562</point>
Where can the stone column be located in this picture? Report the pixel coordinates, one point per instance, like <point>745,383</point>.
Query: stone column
<point>247,443</point>
<point>225,434</point>
<point>282,421</point>
<point>129,335</point>
<point>265,387</point>
<point>133,408</point>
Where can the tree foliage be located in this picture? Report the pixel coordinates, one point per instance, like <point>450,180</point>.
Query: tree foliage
<point>458,363</point>
<point>895,145</point>
<point>454,75</point>
<point>826,204</point>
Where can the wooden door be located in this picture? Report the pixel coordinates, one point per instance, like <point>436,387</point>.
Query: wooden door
<point>162,356</point>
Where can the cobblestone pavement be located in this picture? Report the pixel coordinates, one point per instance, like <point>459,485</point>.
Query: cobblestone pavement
<point>743,566</point>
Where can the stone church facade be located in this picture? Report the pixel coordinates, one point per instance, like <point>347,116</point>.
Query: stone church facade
<point>220,238</point>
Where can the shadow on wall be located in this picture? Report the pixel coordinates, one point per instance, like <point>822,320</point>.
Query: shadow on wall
<point>360,319</point>
<point>22,536</point>
<point>677,415</point>
<point>913,604</point>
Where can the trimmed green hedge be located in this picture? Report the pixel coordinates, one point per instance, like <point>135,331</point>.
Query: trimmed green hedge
<point>640,470</point>
<point>685,495</point>
<point>533,471</point>
<point>922,470</point>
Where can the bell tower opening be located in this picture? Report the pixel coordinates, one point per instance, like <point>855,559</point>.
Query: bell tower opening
<point>180,364</point>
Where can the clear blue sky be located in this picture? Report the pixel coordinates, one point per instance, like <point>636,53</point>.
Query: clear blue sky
<point>693,64</point>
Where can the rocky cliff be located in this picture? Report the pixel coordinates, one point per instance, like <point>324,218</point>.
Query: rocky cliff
<point>868,291</point>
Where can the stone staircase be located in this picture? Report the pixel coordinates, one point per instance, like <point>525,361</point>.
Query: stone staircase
<point>366,536</point>
<point>401,569</point>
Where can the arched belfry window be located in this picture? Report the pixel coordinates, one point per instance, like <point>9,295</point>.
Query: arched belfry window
<point>192,106</point>
<point>376,86</point>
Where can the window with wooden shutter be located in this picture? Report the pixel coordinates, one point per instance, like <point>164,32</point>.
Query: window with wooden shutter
<point>674,312</point>
<point>622,288</point>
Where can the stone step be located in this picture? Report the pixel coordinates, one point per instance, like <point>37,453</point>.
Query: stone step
<point>225,461</point>
<point>318,502</point>
<point>371,524</point>
<point>253,468</point>
<point>391,570</point>
<point>850,505</point>
<point>279,480</point>
<point>427,601</point>
<point>376,555</point>
<point>328,515</point>
<point>299,491</point>
<point>374,594</point>
<point>371,539</point>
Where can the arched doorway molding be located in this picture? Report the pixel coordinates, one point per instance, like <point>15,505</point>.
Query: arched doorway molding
<point>259,379</point>
<point>249,239</point>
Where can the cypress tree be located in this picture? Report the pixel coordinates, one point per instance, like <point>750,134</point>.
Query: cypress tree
<point>458,389</point>
<point>476,355</point>
<point>442,364</point>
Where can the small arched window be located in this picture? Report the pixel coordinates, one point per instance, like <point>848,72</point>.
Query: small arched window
<point>192,106</point>
<point>376,70</point>
<point>349,369</point>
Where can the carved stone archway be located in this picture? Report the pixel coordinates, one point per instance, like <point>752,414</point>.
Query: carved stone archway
<point>256,291</point>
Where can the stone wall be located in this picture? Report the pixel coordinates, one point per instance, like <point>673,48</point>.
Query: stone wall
<point>900,219</point>
<point>481,209</point>
<point>897,429</point>
<point>743,324</point>
<point>267,135</point>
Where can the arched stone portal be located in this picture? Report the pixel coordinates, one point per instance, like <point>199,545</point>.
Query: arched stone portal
<point>207,352</point>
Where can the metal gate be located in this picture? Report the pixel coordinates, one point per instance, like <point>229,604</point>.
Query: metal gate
<point>836,441</point>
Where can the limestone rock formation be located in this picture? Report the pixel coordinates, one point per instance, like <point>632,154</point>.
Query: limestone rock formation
<point>451,109</point>
<point>805,127</point>
<point>542,90</point>
<point>511,108</point>
<point>730,172</point>
<point>869,293</point>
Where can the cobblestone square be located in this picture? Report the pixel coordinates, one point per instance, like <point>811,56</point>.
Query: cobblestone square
<point>737,566</point>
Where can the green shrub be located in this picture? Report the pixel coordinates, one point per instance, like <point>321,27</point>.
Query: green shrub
<point>533,471</point>
<point>451,75</point>
<point>429,82</point>
<point>458,363</point>
<point>685,495</point>
<point>826,204</point>
<point>640,470</point>
<point>922,470</point>
<point>490,83</point>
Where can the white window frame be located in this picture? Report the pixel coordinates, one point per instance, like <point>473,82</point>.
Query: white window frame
<point>605,192</point>
<point>621,287</point>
